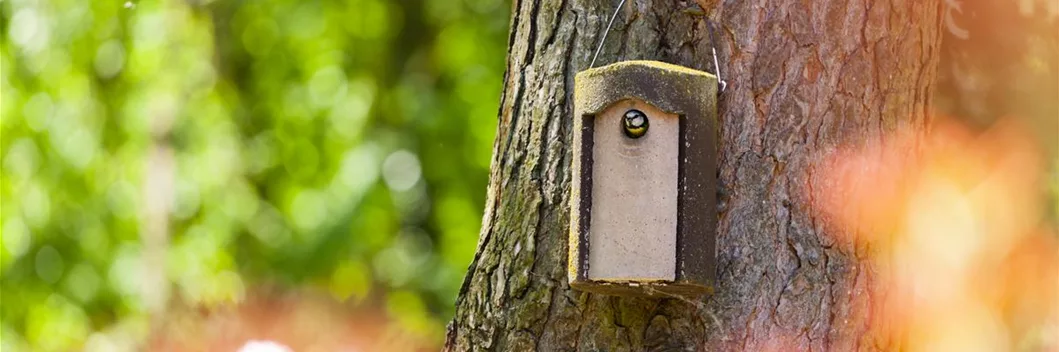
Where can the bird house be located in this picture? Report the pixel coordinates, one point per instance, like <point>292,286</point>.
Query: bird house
<point>643,200</point>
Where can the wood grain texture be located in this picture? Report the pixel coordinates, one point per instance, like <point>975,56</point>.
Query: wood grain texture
<point>805,78</point>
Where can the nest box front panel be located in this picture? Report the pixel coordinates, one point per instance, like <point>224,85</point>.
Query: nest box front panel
<point>634,191</point>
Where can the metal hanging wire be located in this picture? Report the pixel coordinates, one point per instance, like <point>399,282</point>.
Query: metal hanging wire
<point>604,39</point>
<point>713,49</point>
<point>709,29</point>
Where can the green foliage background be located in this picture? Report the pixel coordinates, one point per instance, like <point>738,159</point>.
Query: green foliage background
<point>340,146</point>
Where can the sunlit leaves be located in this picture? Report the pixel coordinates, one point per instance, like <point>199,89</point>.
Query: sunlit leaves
<point>336,146</point>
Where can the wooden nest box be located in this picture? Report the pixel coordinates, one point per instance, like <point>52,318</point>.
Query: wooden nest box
<point>643,201</point>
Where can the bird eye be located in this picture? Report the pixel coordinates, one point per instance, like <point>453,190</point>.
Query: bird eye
<point>635,123</point>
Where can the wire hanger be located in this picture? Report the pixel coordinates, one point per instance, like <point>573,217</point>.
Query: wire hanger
<point>709,29</point>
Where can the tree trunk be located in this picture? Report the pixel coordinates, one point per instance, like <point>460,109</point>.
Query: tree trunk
<point>805,77</point>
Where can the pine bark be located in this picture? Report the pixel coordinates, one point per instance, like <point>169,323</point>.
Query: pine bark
<point>806,78</point>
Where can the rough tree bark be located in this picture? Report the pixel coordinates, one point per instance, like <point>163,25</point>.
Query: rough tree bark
<point>806,77</point>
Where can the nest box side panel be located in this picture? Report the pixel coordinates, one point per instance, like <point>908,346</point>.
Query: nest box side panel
<point>633,237</point>
<point>580,200</point>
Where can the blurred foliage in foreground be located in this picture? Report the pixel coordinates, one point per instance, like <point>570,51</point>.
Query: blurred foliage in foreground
<point>185,153</point>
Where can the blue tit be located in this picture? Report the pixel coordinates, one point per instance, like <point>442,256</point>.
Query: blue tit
<point>635,123</point>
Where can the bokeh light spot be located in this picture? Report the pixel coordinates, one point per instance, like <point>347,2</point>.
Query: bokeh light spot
<point>83,282</point>
<point>401,170</point>
<point>22,159</point>
<point>16,236</point>
<point>36,205</point>
<point>49,264</point>
<point>29,29</point>
<point>110,59</point>
<point>38,111</point>
<point>309,209</point>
